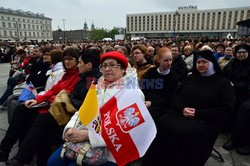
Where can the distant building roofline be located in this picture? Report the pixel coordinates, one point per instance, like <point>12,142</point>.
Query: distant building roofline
<point>20,12</point>
<point>194,11</point>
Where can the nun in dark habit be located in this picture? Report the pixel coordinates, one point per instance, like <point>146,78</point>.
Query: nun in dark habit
<point>200,105</point>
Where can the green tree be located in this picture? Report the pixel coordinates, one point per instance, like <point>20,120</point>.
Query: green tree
<point>113,32</point>
<point>98,34</point>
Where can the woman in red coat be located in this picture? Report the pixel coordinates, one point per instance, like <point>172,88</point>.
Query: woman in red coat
<point>24,115</point>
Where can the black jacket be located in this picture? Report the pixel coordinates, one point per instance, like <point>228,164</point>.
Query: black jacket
<point>82,87</point>
<point>238,72</point>
<point>38,70</point>
<point>158,89</point>
<point>212,97</point>
<point>180,67</point>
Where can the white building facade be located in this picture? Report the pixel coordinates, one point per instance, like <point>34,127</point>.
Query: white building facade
<point>24,26</point>
<point>186,21</point>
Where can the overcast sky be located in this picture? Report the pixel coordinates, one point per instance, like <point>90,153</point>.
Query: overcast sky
<point>107,13</point>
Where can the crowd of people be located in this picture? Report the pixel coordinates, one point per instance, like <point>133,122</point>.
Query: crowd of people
<point>193,90</point>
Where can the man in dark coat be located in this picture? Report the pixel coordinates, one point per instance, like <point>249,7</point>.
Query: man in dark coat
<point>178,65</point>
<point>36,70</point>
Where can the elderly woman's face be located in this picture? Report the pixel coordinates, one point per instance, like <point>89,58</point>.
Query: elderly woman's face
<point>242,54</point>
<point>111,70</point>
<point>202,65</point>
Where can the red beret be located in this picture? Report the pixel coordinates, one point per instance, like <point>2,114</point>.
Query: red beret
<point>116,55</point>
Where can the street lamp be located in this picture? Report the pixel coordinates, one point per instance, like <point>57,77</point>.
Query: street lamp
<point>64,29</point>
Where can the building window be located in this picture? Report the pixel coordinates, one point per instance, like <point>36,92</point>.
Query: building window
<point>34,34</point>
<point>208,20</point>
<point>3,23</point>
<point>218,21</point>
<point>2,17</point>
<point>25,34</point>
<point>8,18</point>
<point>24,26</point>
<point>16,33</point>
<point>37,34</point>
<point>14,25</point>
<point>242,15</point>
<point>5,33</point>
<point>10,33</point>
<point>37,27</point>
<point>14,19</point>
<point>23,20</point>
<point>9,25</point>
<point>224,20</point>
<point>19,25</point>
<point>28,20</point>
<point>28,26</point>
<point>248,14</point>
<point>29,34</point>
<point>20,33</point>
<point>33,27</point>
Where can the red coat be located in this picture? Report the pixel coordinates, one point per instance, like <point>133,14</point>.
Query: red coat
<point>68,82</point>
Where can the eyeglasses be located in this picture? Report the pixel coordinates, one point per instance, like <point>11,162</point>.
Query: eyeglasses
<point>69,58</point>
<point>110,66</point>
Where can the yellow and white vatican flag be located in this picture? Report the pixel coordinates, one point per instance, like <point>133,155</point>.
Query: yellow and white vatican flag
<point>88,113</point>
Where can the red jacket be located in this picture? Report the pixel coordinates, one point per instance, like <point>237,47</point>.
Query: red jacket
<point>68,82</point>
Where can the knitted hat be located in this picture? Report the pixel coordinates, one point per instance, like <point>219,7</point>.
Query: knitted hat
<point>117,56</point>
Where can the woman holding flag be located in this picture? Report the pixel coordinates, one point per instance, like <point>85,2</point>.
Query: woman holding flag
<point>116,77</point>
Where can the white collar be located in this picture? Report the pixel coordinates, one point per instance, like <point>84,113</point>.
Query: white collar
<point>163,72</point>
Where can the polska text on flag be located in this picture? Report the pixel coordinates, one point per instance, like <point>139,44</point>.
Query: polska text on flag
<point>127,126</point>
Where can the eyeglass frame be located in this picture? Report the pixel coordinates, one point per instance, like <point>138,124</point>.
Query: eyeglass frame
<point>113,66</point>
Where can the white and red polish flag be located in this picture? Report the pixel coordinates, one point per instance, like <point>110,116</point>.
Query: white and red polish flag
<point>127,126</point>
